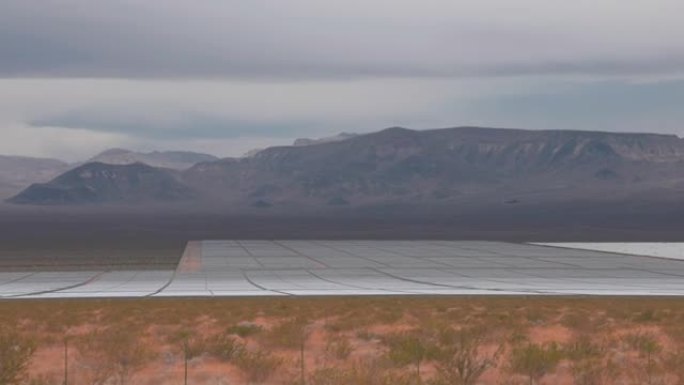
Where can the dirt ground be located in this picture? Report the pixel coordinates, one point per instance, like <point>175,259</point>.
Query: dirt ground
<point>372,340</point>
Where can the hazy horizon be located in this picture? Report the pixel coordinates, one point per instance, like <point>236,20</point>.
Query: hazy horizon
<point>226,77</point>
<point>283,142</point>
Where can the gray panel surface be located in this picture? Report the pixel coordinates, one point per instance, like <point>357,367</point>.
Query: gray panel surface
<point>300,267</point>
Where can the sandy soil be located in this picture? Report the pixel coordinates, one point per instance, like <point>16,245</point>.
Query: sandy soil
<point>349,340</point>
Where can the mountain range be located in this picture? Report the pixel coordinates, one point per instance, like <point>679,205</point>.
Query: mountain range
<point>178,160</point>
<point>462,165</point>
<point>19,172</point>
<point>102,183</point>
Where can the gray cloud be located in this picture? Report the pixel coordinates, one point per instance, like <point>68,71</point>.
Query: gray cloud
<point>606,106</point>
<point>310,39</point>
<point>174,125</point>
<point>74,118</point>
<point>225,76</point>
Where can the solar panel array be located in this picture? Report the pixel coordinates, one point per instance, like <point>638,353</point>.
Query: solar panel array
<point>301,267</point>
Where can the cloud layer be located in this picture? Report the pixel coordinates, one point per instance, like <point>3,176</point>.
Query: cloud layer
<point>224,76</point>
<point>304,39</point>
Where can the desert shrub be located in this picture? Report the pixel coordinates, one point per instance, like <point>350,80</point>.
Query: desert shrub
<point>578,321</point>
<point>225,347</point>
<point>583,348</point>
<point>588,361</point>
<point>676,332</point>
<point>409,348</point>
<point>339,347</point>
<point>258,366</point>
<point>288,334</point>
<point>645,316</point>
<point>113,353</point>
<point>366,373</point>
<point>245,329</point>
<point>389,316</point>
<point>366,335</point>
<point>518,337</point>
<point>461,356</point>
<point>351,320</point>
<point>44,380</point>
<point>534,361</point>
<point>644,343</point>
<point>333,327</point>
<point>536,315</point>
<point>329,376</point>
<point>649,350</point>
<point>15,355</point>
<point>675,365</point>
<point>190,344</point>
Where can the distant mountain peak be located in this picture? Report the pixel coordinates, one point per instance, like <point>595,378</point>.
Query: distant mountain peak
<point>328,139</point>
<point>397,163</point>
<point>397,129</point>
<point>178,160</point>
<point>113,152</point>
<point>99,182</point>
<point>18,172</point>
<point>460,164</point>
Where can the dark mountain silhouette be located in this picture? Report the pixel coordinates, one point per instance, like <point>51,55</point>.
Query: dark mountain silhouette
<point>103,183</point>
<point>464,165</point>
<point>18,172</point>
<point>465,162</point>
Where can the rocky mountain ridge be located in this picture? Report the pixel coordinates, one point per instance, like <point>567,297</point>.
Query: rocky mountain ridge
<point>462,164</point>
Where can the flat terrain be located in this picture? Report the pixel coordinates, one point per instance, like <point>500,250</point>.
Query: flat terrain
<point>154,238</point>
<point>348,340</point>
<point>553,340</point>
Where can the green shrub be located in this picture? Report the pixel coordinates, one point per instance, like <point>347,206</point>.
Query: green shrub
<point>245,329</point>
<point>288,334</point>
<point>115,352</point>
<point>366,373</point>
<point>649,349</point>
<point>535,361</point>
<point>339,347</point>
<point>225,347</point>
<point>587,361</point>
<point>409,349</point>
<point>15,354</point>
<point>461,357</point>
<point>258,366</point>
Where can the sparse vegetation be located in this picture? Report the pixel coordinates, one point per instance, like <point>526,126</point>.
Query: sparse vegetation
<point>245,329</point>
<point>360,373</point>
<point>15,355</point>
<point>648,348</point>
<point>396,341</point>
<point>589,361</point>
<point>225,347</point>
<point>339,347</point>
<point>287,334</point>
<point>409,349</point>
<point>534,361</point>
<point>257,365</point>
<point>112,354</point>
<point>461,356</point>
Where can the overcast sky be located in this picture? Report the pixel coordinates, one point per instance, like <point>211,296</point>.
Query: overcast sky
<point>226,76</point>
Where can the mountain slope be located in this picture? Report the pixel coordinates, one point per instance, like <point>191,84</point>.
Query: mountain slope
<point>18,172</point>
<point>178,160</point>
<point>310,142</point>
<point>401,164</point>
<point>455,166</point>
<point>103,183</point>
